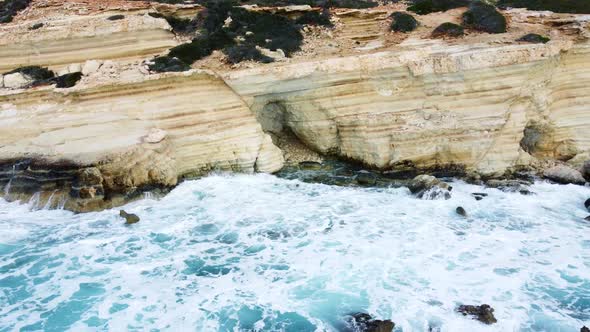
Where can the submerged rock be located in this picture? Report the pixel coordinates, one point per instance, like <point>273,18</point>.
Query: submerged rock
<point>130,218</point>
<point>483,313</point>
<point>587,218</point>
<point>519,186</point>
<point>365,323</point>
<point>584,329</point>
<point>461,211</point>
<point>479,196</point>
<point>428,187</point>
<point>587,204</point>
<point>564,174</point>
<point>403,22</point>
<point>484,17</point>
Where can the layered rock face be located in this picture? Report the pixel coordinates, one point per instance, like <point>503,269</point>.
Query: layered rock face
<point>132,136</point>
<point>434,104</point>
<point>484,104</point>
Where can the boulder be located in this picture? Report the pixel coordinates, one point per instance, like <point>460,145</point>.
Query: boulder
<point>448,29</point>
<point>587,204</point>
<point>564,174</point>
<point>362,322</point>
<point>428,187</point>
<point>584,329</point>
<point>74,67</point>
<point>587,218</point>
<point>483,313</point>
<point>155,135</point>
<point>403,22</point>
<point>533,38</point>
<point>461,211</point>
<point>16,80</point>
<point>130,218</point>
<point>484,17</point>
<point>90,67</point>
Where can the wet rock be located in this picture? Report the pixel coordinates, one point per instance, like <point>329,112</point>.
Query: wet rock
<point>587,204</point>
<point>366,179</point>
<point>483,313</point>
<point>365,323</point>
<point>533,38</point>
<point>479,196</point>
<point>403,22</point>
<point>564,174</point>
<point>130,218</point>
<point>584,329</point>
<point>587,218</point>
<point>484,17</point>
<point>90,176</point>
<point>448,29</point>
<point>310,165</point>
<point>428,187</point>
<point>461,211</point>
<point>519,186</point>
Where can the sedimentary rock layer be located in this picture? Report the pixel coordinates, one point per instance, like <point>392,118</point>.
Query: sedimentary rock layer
<point>433,104</point>
<point>60,42</point>
<point>136,135</point>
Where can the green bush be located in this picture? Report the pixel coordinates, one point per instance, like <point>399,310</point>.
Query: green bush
<point>448,29</point>
<point>533,38</point>
<point>423,7</point>
<point>484,17</point>
<point>558,6</point>
<point>403,22</point>
<point>9,9</point>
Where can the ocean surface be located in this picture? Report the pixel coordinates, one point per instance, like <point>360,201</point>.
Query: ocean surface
<point>262,253</point>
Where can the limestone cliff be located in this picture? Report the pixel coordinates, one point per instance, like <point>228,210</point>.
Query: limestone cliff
<point>483,103</point>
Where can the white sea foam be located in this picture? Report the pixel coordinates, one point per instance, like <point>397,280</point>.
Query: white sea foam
<point>257,252</point>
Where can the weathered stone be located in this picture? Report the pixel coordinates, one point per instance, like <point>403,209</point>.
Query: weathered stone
<point>87,192</point>
<point>16,81</point>
<point>130,218</point>
<point>564,174</point>
<point>461,211</point>
<point>155,135</point>
<point>483,313</point>
<point>74,68</point>
<point>90,176</point>
<point>90,67</point>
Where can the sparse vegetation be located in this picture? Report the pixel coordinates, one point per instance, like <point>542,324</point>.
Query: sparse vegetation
<point>533,38</point>
<point>448,29</point>
<point>315,18</point>
<point>167,63</point>
<point>403,22</point>
<point>243,52</point>
<point>9,9</point>
<point>36,73</point>
<point>484,17</point>
<point>68,80</point>
<point>423,7</point>
<point>116,17</point>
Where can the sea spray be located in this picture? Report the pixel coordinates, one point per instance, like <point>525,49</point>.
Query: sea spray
<point>256,252</point>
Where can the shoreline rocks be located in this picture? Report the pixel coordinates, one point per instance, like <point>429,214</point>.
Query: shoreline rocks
<point>362,322</point>
<point>130,218</point>
<point>564,174</point>
<point>428,187</point>
<point>483,313</point>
